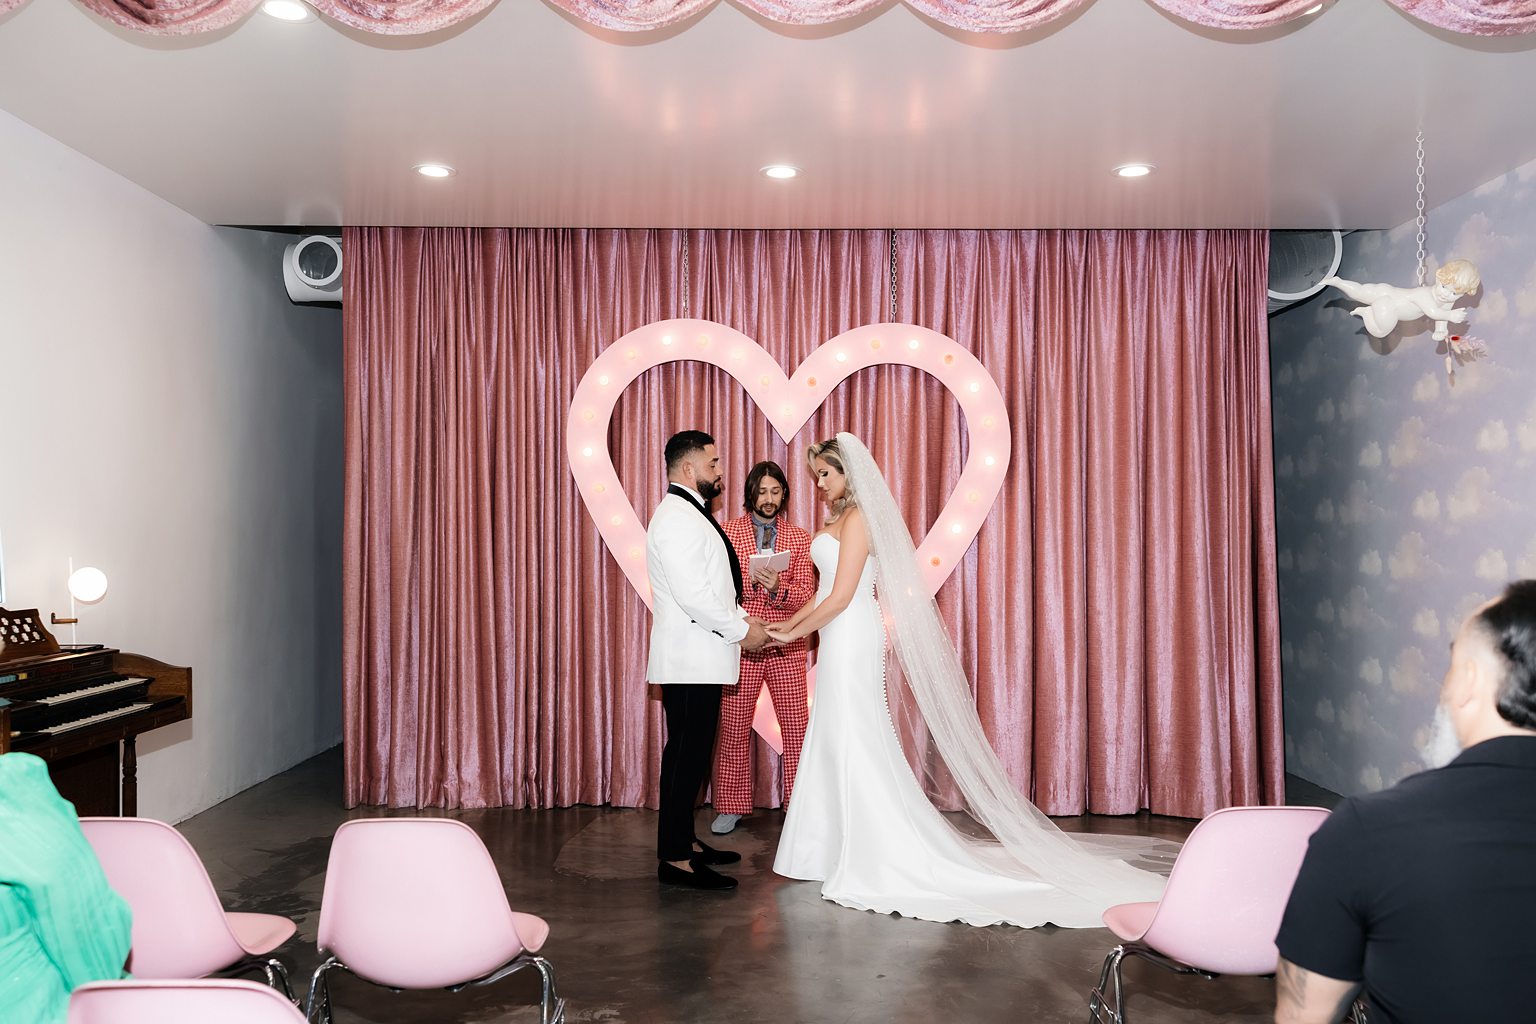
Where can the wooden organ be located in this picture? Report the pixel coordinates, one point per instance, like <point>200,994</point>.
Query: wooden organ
<point>81,709</point>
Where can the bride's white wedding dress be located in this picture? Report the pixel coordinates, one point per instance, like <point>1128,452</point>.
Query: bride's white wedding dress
<point>860,822</point>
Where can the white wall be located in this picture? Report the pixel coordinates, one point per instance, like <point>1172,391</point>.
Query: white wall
<point>169,417</point>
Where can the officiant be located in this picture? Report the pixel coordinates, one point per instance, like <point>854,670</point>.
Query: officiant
<point>772,595</point>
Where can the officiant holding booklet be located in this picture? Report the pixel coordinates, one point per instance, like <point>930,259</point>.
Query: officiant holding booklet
<point>778,581</point>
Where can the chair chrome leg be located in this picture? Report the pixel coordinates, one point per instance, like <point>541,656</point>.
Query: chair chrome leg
<point>317,1009</point>
<point>1100,1009</point>
<point>1095,994</point>
<point>272,970</point>
<point>1115,977</point>
<point>1107,1003</point>
<point>277,977</point>
<point>551,1007</point>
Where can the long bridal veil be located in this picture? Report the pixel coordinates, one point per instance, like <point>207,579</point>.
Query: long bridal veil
<point>1092,868</point>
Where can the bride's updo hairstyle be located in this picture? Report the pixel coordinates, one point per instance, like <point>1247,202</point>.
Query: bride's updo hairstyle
<point>828,451</point>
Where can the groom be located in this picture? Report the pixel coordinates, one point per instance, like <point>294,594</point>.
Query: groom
<point>698,631</point>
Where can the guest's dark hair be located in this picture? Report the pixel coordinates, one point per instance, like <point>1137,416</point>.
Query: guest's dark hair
<point>755,480</point>
<point>683,444</point>
<point>1509,624</point>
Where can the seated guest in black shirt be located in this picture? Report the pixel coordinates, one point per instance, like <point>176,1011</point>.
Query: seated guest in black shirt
<point>1423,895</point>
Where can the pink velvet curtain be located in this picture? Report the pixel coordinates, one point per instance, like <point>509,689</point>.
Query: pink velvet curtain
<point>405,17</point>
<point>1116,613</point>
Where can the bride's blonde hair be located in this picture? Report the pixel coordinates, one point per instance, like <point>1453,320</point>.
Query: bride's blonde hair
<point>829,452</point>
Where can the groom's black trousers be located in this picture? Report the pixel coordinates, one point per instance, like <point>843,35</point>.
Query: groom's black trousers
<point>693,715</point>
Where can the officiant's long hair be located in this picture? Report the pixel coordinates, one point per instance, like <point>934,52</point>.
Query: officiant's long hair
<point>829,452</point>
<point>755,480</point>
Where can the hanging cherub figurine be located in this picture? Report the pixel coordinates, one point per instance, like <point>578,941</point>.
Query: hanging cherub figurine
<point>1388,305</point>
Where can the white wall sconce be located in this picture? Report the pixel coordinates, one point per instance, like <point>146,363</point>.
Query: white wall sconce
<point>87,585</point>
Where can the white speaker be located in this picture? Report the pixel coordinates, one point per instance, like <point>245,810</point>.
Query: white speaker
<point>312,269</point>
<point>1298,262</point>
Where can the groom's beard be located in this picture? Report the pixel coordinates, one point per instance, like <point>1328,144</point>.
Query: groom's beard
<point>1442,746</point>
<point>709,490</point>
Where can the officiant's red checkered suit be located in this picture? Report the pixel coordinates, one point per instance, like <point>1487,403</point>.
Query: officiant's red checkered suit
<point>781,667</point>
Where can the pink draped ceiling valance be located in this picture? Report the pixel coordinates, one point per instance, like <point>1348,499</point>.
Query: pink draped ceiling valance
<point>410,17</point>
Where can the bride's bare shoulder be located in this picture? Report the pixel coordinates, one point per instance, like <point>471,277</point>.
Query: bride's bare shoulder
<point>850,522</point>
<point>838,525</point>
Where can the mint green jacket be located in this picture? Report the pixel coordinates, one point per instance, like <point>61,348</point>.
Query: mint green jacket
<point>61,925</point>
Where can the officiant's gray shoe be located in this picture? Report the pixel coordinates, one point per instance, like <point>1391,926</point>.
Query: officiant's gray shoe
<point>725,824</point>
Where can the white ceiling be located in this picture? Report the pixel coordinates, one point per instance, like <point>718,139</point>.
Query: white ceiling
<point>896,121</point>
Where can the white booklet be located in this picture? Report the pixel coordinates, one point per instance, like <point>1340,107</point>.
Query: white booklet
<point>778,561</point>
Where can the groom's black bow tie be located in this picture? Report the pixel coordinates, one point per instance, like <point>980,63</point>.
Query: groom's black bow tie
<point>730,549</point>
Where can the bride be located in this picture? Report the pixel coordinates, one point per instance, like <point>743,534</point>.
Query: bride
<point>860,822</point>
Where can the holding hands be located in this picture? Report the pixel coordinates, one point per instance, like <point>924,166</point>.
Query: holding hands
<point>780,633</point>
<point>760,634</point>
<point>756,636</point>
<point>794,628</point>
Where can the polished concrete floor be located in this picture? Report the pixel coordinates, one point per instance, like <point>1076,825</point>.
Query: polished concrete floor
<point>630,952</point>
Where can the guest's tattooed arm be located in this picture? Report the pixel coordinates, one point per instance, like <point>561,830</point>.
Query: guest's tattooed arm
<point>1303,997</point>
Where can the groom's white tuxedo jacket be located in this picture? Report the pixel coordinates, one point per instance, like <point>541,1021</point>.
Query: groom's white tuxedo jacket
<point>696,623</point>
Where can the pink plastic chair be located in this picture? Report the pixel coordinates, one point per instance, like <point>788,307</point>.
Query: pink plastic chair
<point>416,903</point>
<point>180,929</point>
<point>180,1002</point>
<point>1222,907</point>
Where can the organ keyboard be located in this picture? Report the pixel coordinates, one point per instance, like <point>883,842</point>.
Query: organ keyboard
<point>82,710</point>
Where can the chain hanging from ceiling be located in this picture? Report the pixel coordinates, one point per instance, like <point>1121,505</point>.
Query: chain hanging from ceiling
<point>685,273</point>
<point>1423,263</point>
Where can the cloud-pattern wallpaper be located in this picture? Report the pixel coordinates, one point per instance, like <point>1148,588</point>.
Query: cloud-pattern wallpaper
<point>1402,502</point>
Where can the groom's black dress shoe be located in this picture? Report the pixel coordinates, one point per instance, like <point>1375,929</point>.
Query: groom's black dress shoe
<point>699,878</point>
<point>710,855</point>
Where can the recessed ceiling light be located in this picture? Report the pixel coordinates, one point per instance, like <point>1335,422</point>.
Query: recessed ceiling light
<point>434,170</point>
<point>1133,170</point>
<point>782,172</point>
<point>288,10</point>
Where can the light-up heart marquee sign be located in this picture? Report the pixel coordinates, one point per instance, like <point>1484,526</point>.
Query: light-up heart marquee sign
<point>788,402</point>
